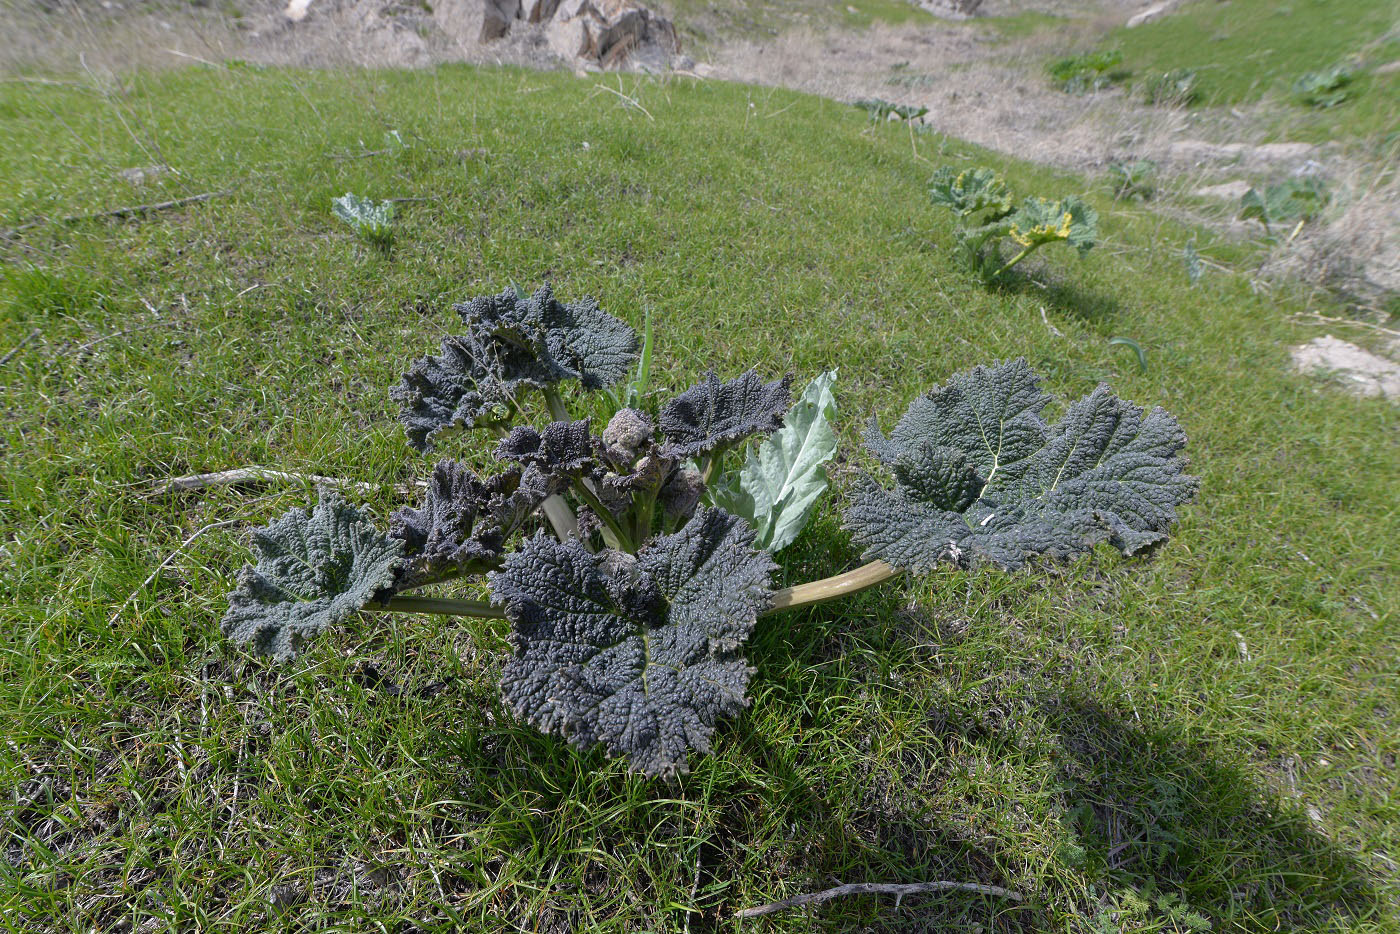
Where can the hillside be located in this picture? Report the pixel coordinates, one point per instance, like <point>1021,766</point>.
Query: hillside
<point>1206,737</point>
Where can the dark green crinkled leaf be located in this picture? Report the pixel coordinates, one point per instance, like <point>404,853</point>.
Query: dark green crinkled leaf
<point>638,653</point>
<point>979,475</point>
<point>315,568</point>
<point>713,414</point>
<point>512,344</point>
<point>464,523</point>
<point>561,449</point>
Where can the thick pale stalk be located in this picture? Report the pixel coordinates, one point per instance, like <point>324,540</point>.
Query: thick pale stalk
<point>832,588</point>
<point>1015,259</point>
<point>442,606</point>
<point>556,511</point>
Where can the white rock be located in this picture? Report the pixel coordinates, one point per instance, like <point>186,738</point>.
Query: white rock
<point>1155,11</point>
<point>1361,371</point>
<point>1232,191</point>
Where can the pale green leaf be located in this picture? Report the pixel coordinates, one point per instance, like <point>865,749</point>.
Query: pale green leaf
<point>785,476</point>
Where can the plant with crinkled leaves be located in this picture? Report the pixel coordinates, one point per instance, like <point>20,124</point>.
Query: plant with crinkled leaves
<point>983,206</point>
<point>633,565</point>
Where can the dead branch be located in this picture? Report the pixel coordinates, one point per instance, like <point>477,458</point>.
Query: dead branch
<point>877,888</point>
<point>166,563</point>
<point>200,481</point>
<point>1313,317</point>
<point>10,355</point>
<point>148,208</point>
<point>122,212</point>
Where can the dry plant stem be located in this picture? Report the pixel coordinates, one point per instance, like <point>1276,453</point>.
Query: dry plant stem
<point>876,888</point>
<point>832,588</point>
<point>200,481</point>
<point>442,606</point>
<point>125,212</point>
<point>789,598</point>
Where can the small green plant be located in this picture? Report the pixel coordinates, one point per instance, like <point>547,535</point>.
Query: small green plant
<point>372,222</point>
<point>984,206</point>
<point>1133,181</point>
<point>879,109</point>
<point>1294,199</point>
<point>1175,88</point>
<point>1092,71</point>
<point>1191,258</point>
<point>1325,88</point>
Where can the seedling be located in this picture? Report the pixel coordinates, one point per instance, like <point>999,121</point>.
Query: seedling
<point>629,585</point>
<point>1175,88</point>
<point>372,222</point>
<point>1133,181</point>
<point>880,110</point>
<point>983,203</point>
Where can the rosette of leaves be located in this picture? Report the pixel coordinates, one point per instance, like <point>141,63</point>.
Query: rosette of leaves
<point>980,476</point>
<point>880,109</point>
<point>1175,88</point>
<point>639,653</point>
<point>628,617</point>
<point>1134,180</point>
<point>1092,71</point>
<point>512,345</point>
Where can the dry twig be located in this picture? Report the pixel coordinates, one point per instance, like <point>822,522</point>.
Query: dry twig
<point>877,888</point>
<point>123,212</point>
<point>10,355</point>
<point>1313,317</point>
<point>200,481</point>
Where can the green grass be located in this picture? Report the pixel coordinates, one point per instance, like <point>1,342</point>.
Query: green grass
<point>1244,50</point>
<point>1125,742</point>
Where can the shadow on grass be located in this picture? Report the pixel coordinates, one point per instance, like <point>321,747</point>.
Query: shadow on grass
<point>1063,294</point>
<point>1162,829</point>
<point>1158,812</point>
<point>885,836</point>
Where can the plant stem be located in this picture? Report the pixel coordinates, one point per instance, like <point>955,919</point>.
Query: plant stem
<point>442,606</point>
<point>789,598</point>
<point>557,409</point>
<point>556,511</point>
<point>561,517</point>
<point>623,541</point>
<point>830,588</point>
<point>1015,259</point>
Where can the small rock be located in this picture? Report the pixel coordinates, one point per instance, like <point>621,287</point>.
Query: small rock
<point>1155,11</point>
<point>141,174</point>
<point>285,896</point>
<point>1231,191</point>
<point>1361,371</point>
